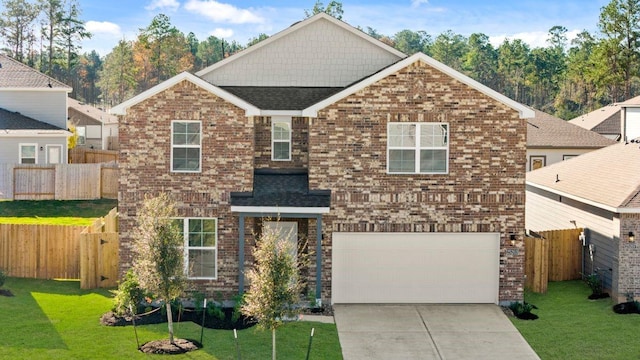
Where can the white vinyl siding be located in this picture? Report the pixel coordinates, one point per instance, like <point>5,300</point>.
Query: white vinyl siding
<point>46,106</point>
<point>200,247</point>
<point>281,138</point>
<point>94,132</point>
<point>28,153</point>
<point>186,144</point>
<point>417,148</point>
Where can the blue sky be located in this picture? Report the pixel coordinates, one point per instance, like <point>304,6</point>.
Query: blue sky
<point>111,20</point>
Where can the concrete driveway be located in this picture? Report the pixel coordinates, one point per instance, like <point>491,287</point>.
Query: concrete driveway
<point>428,332</point>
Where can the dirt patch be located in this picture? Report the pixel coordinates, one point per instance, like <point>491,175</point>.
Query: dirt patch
<point>179,346</point>
<point>5,292</point>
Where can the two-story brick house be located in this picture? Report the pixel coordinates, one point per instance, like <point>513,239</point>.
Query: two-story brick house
<point>404,178</point>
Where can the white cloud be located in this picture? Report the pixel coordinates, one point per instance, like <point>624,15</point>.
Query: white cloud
<point>417,3</point>
<point>224,13</point>
<point>534,39</point>
<point>172,5</point>
<point>103,27</point>
<point>222,33</point>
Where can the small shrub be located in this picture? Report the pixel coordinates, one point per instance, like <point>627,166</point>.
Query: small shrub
<point>3,277</point>
<point>129,293</point>
<point>594,283</point>
<point>522,310</point>
<point>237,308</point>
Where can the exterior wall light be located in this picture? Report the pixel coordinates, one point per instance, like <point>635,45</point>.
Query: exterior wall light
<point>632,236</point>
<point>512,237</point>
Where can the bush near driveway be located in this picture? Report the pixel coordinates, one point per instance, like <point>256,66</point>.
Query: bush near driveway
<point>572,327</point>
<point>57,320</point>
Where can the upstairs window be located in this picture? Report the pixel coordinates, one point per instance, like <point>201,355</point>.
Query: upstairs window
<point>417,148</point>
<point>186,144</point>
<point>280,138</point>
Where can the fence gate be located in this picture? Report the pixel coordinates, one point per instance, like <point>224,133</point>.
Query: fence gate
<point>99,260</point>
<point>554,256</point>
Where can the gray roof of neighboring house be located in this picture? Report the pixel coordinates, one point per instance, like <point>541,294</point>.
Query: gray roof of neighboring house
<point>91,111</point>
<point>14,74</point>
<point>608,176</point>
<point>10,120</point>
<point>605,120</point>
<point>548,131</point>
<point>282,187</point>
<point>282,98</point>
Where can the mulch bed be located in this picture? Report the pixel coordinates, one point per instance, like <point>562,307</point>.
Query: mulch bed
<point>629,307</point>
<point>179,346</point>
<point>599,296</point>
<point>5,292</point>
<point>157,317</point>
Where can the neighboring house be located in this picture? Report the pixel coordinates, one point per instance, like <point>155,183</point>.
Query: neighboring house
<point>96,129</point>
<point>551,140</point>
<point>610,121</point>
<point>403,178</point>
<point>33,115</point>
<point>598,191</point>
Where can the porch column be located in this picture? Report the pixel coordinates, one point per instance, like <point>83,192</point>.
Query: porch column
<point>241,255</point>
<point>319,257</point>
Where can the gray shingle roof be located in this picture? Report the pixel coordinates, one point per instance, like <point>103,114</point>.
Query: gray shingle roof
<point>91,111</point>
<point>14,74</point>
<point>609,176</point>
<point>282,187</point>
<point>548,131</point>
<point>605,120</point>
<point>282,98</point>
<point>10,120</point>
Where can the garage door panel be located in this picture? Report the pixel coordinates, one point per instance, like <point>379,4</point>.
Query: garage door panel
<point>415,268</point>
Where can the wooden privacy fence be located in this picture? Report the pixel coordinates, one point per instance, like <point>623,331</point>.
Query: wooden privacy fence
<point>88,253</point>
<point>40,251</point>
<point>555,256</point>
<point>59,182</point>
<point>99,253</point>
<point>80,155</point>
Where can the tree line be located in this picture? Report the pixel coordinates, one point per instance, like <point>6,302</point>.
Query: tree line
<point>565,78</point>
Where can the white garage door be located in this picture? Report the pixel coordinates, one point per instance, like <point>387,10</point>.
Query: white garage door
<point>415,268</point>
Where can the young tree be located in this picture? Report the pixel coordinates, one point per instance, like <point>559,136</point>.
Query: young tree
<point>158,257</point>
<point>16,25</point>
<point>275,284</point>
<point>333,8</point>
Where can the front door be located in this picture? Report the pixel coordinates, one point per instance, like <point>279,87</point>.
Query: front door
<point>286,230</point>
<point>54,154</point>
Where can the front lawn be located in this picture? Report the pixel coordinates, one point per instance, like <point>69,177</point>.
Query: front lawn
<point>54,212</point>
<point>57,320</point>
<point>572,327</point>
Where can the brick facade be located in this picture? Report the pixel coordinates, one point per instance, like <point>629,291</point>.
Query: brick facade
<point>628,274</point>
<point>227,165</point>
<point>483,191</point>
<point>344,149</point>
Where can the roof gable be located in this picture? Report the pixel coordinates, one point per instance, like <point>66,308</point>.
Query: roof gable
<point>606,178</point>
<point>18,76</point>
<point>320,51</point>
<point>121,109</point>
<point>91,111</point>
<point>523,110</point>
<point>548,131</point>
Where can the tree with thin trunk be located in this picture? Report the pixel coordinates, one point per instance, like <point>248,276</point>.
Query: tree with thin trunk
<point>275,283</point>
<point>158,259</point>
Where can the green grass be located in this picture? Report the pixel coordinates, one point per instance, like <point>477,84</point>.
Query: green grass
<point>54,212</point>
<point>57,320</point>
<point>572,327</point>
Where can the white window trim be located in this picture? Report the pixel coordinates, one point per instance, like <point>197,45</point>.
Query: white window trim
<point>417,148</point>
<point>286,120</point>
<point>52,146</point>
<point>199,146</point>
<point>83,137</point>
<point>20,145</point>
<point>185,234</point>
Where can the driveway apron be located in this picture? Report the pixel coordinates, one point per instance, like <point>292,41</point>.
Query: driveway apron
<point>454,332</point>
